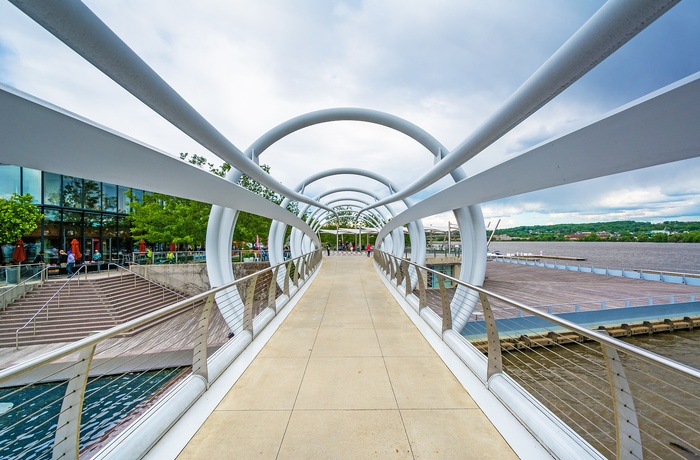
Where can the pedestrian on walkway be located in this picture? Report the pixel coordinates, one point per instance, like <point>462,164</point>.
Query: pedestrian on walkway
<point>328,248</point>
<point>369,249</point>
<point>97,258</point>
<point>70,263</point>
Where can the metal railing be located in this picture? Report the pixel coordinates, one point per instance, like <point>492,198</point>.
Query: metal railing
<point>190,279</point>
<point>580,391</point>
<point>46,307</point>
<point>151,283</point>
<point>168,257</point>
<point>10,293</point>
<point>188,257</point>
<point>692,279</point>
<point>105,393</point>
<point>66,286</point>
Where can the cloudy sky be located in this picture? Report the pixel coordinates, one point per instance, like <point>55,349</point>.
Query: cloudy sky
<point>445,65</point>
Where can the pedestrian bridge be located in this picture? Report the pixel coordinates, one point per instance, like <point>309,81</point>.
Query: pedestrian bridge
<point>347,374</point>
<point>357,374</point>
<point>336,356</point>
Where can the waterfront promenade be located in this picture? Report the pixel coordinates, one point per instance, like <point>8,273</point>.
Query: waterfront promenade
<point>346,375</point>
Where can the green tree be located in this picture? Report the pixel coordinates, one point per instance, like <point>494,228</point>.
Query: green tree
<point>18,217</point>
<point>162,218</point>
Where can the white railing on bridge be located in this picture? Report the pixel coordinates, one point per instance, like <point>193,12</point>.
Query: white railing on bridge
<point>88,397</point>
<point>582,393</point>
<point>692,279</point>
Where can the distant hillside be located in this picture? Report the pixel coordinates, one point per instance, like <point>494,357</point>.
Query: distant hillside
<point>626,230</point>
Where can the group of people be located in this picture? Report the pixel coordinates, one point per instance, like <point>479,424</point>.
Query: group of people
<point>69,259</point>
<point>350,247</point>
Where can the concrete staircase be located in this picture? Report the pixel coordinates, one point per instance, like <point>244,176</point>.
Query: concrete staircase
<point>93,305</point>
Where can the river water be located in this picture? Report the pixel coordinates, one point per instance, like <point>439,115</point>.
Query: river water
<point>671,257</point>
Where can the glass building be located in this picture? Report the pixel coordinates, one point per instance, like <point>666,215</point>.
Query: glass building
<point>94,213</point>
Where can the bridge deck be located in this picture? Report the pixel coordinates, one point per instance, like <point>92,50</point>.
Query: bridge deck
<point>347,375</point>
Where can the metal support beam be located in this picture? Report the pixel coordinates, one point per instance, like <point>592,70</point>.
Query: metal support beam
<point>67,439</point>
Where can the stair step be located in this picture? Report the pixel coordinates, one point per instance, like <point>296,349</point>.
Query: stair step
<point>93,305</point>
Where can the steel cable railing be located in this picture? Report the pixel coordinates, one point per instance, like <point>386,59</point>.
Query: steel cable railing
<point>621,400</point>
<point>83,397</point>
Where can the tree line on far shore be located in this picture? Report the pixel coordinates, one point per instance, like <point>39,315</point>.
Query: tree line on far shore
<point>627,230</point>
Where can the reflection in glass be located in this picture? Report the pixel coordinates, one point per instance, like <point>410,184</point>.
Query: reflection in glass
<point>92,224</point>
<point>124,199</point>
<point>52,189</point>
<point>52,234</point>
<point>72,227</point>
<point>138,195</point>
<point>109,197</point>
<point>31,183</point>
<point>9,181</point>
<point>93,195</point>
<point>109,226</point>
<point>72,192</point>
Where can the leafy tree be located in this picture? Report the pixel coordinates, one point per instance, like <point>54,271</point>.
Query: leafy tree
<point>18,217</point>
<point>200,161</point>
<point>162,218</point>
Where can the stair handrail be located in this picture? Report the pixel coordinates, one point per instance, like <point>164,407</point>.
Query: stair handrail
<point>172,279</point>
<point>123,269</point>
<point>42,275</point>
<point>46,305</point>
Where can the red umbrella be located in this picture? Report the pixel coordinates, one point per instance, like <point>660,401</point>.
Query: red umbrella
<point>19,255</point>
<point>142,246</point>
<point>75,249</point>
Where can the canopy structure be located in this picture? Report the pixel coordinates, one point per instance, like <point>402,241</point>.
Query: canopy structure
<point>655,129</point>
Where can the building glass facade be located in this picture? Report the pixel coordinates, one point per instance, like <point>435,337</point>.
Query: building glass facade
<point>93,213</point>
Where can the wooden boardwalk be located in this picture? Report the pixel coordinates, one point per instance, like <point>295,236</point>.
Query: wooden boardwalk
<point>537,286</point>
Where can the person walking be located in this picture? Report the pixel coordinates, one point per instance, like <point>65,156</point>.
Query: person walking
<point>328,248</point>
<point>97,258</point>
<point>70,263</point>
<point>369,249</point>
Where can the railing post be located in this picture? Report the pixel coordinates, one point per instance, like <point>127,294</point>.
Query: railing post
<point>67,439</point>
<point>422,294</point>
<point>200,352</point>
<point>629,440</point>
<point>248,307</point>
<point>406,276</point>
<point>296,273</point>
<point>399,272</point>
<point>271,293</point>
<point>446,310</point>
<point>286,279</point>
<point>495,362</point>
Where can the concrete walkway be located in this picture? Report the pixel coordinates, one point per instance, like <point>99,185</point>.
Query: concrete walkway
<point>347,375</point>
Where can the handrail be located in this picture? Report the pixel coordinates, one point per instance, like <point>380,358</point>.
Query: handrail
<point>640,353</point>
<point>46,305</point>
<point>646,403</point>
<point>127,356</point>
<point>155,271</point>
<point>94,339</point>
<point>529,260</point>
<point>123,268</point>
<point>42,276</point>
